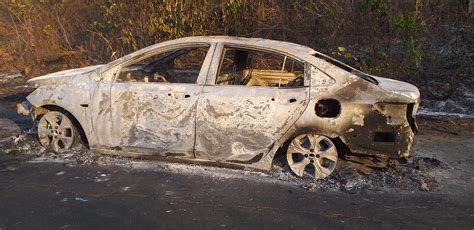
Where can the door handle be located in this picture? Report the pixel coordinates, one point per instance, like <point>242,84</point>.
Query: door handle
<point>292,100</point>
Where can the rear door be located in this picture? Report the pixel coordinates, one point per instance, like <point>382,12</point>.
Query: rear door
<point>252,99</point>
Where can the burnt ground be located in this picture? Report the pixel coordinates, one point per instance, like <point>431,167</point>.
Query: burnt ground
<point>81,189</point>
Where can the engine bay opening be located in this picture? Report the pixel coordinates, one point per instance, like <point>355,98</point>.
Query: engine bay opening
<point>328,108</point>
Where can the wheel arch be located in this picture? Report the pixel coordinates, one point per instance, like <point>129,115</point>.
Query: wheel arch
<point>43,109</point>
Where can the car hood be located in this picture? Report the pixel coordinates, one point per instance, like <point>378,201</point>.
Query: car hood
<point>398,87</point>
<point>56,77</point>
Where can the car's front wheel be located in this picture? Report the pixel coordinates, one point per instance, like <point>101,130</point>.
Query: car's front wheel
<point>312,154</point>
<point>56,132</point>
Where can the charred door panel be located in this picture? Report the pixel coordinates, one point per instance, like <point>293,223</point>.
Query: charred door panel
<point>157,118</point>
<point>238,123</point>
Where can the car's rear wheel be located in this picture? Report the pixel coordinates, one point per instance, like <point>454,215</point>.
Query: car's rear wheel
<point>56,132</point>
<point>312,154</point>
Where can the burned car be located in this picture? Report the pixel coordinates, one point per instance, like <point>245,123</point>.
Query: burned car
<point>226,100</point>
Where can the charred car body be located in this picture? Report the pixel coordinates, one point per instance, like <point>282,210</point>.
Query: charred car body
<point>234,101</point>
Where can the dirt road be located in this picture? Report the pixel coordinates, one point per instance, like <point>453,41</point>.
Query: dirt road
<point>52,196</point>
<point>39,190</point>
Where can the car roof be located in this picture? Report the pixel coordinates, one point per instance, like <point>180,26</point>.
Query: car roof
<point>282,46</point>
<point>258,42</point>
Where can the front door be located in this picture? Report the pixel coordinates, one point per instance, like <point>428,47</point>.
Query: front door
<point>153,102</point>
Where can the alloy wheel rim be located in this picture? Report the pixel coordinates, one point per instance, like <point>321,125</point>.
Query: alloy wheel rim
<point>55,130</point>
<point>312,154</point>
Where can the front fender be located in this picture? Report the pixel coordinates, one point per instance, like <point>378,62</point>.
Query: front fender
<point>73,97</point>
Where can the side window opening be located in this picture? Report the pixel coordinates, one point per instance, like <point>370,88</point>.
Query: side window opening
<point>259,68</point>
<point>176,66</point>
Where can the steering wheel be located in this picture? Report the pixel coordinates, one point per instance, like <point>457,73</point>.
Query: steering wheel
<point>158,71</point>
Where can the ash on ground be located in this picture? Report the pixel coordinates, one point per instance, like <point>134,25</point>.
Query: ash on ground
<point>26,147</point>
<point>412,175</point>
<point>448,100</point>
<point>416,174</point>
